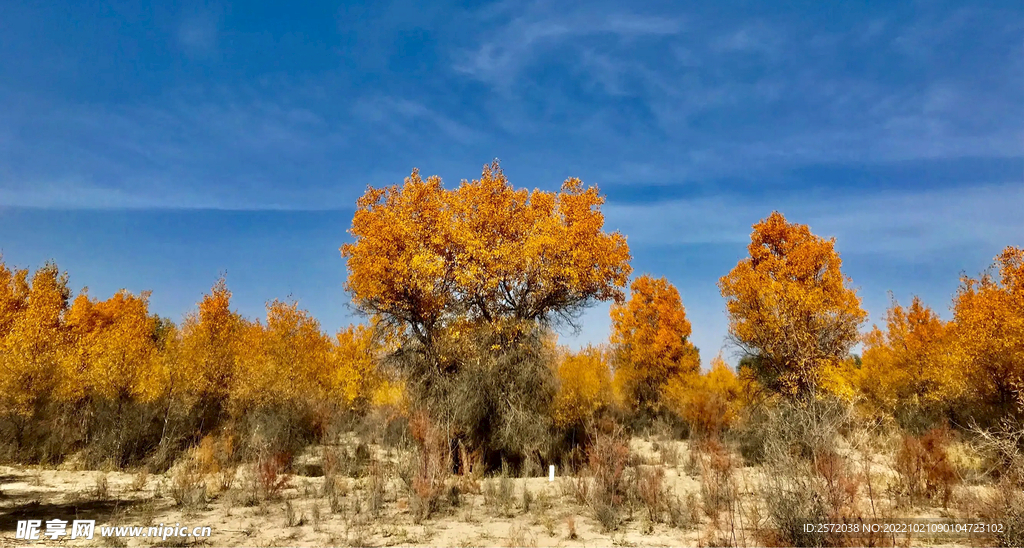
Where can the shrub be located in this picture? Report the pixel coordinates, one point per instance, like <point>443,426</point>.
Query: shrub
<point>498,494</point>
<point>806,477</point>
<point>791,498</point>
<point>924,468</point>
<point>709,403</point>
<point>606,515</point>
<point>650,491</point>
<point>432,467</point>
<point>494,392</point>
<point>271,475</point>
<point>187,487</point>
<point>805,428</point>
<point>837,484</point>
<point>607,458</point>
<point>717,487</point>
<point>377,476</point>
<point>1006,506</point>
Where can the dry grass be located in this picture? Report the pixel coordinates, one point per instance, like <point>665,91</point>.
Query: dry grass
<point>354,492</point>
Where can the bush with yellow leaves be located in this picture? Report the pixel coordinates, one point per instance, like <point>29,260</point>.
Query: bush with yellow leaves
<point>584,386</point>
<point>709,402</point>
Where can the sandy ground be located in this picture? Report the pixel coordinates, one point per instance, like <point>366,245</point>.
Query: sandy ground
<point>302,516</point>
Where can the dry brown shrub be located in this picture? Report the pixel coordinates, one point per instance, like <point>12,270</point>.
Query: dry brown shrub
<point>650,491</point>
<point>471,468</point>
<point>717,486</point>
<point>1005,506</point>
<point>839,483</point>
<point>499,493</point>
<point>924,468</point>
<point>187,487</point>
<point>576,487</point>
<point>140,479</point>
<point>806,479</point>
<point>377,478</point>
<point>607,458</point>
<point>271,475</point>
<point>432,469</point>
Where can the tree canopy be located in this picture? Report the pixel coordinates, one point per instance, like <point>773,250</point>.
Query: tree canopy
<point>424,256</point>
<point>650,335</point>
<point>790,306</point>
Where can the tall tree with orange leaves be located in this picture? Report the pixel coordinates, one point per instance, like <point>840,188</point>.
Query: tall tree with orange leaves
<point>989,317</point>
<point>650,337</point>
<point>470,278</point>
<point>790,306</point>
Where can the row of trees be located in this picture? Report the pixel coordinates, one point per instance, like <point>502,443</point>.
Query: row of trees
<point>462,289</point>
<point>429,260</point>
<point>72,370</point>
<point>970,368</point>
<point>795,319</point>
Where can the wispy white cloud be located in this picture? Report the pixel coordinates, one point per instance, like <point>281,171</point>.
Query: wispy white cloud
<point>788,104</point>
<point>631,95</point>
<point>543,29</point>
<point>395,116</point>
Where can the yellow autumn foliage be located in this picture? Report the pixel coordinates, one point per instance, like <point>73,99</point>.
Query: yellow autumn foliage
<point>424,257</point>
<point>709,402</point>
<point>910,364</point>
<point>211,339</point>
<point>113,352</point>
<point>791,307</point>
<point>584,385</point>
<point>288,359</point>
<point>989,321</point>
<point>354,376</point>
<point>36,339</point>
<point>650,338</point>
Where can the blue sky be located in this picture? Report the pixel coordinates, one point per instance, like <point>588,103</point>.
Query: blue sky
<point>154,146</point>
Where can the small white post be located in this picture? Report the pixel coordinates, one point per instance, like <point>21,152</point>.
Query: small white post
<point>551,473</point>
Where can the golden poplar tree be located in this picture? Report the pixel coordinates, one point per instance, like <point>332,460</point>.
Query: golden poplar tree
<point>471,278</point>
<point>114,352</point>
<point>790,306</point>
<point>650,337</point>
<point>354,377</point>
<point>424,257</point>
<point>208,351</point>
<point>989,317</point>
<point>709,402</point>
<point>288,360</point>
<point>32,349</point>
<point>14,291</point>
<point>911,363</point>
